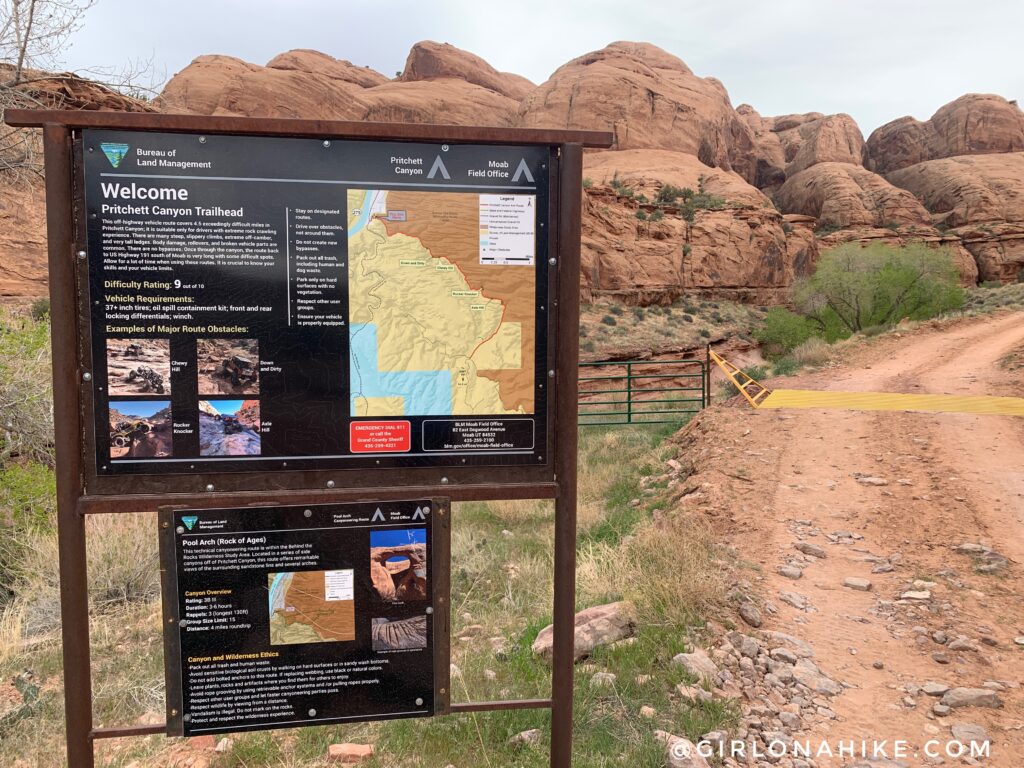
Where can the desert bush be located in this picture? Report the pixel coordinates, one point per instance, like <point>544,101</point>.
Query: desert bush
<point>783,332</point>
<point>40,309</point>
<point>587,182</point>
<point>609,320</point>
<point>814,351</point>
<point>669,193</point>
<point>785,366</point>
<point>615,309</point>
<point>857,287</point>
<point>705,333</point>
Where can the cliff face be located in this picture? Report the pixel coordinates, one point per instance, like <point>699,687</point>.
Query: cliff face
<point>782,187</point>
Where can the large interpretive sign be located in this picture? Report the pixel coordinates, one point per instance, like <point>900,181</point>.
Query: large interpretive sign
<point>264,303</point>
<point>286,616</point>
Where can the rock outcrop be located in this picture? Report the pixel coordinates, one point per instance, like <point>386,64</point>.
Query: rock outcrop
<point>847,195</point>
<point>789,144</point>
<point>644,171</point>
<point>968,189</point>
<point>437,61</point>
<point>23,267</point>
<point>440,84</point>
<point>785,187</point>
<point>744,252</point>
<point>649,99</point>
<point>974,124</point>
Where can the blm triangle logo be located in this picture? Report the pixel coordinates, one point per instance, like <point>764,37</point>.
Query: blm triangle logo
<point>115,152</point>
<point>189,520</point>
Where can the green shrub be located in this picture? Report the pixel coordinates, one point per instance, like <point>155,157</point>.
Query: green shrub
<point>609,320</point>
<point>757,372</point>
<point>688,318</point>
<point>40,309</point>
<point>638,313</point>
<point>587,182</point>
<point>785,366</point>
<point>783,331</point>
<point>657,216</point>
<point>615,309</point>
<point>584,332</point>
<point>705,333</point>
<point>641,214</point>
<point>667,310</point>
<point>668,194</point>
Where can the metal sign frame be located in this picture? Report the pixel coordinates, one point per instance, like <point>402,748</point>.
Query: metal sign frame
<point>66,249</point>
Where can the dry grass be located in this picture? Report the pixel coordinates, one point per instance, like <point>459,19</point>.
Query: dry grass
<point>814,351</point>
<point>123,568</point>
<point>665,568</point>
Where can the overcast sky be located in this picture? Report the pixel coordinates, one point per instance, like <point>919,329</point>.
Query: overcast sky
<point>875,59</point>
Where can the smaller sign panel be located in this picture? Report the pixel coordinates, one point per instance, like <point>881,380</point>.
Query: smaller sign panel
<point>278,617</point>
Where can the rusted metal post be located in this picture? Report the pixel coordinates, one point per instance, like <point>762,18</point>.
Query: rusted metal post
<point>707,375</point>
<point>74,596</point>
<point>566,436</point>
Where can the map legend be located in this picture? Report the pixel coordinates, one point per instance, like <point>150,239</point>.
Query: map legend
<point>507,229</point>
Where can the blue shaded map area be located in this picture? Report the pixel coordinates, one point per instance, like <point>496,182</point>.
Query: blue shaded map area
<point>424,393</point>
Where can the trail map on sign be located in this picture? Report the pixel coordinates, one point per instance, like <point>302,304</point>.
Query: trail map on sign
<point>311,607</point>
<point>442,296</point>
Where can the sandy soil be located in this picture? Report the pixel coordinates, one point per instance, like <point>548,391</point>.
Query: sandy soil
<point>775,478</point>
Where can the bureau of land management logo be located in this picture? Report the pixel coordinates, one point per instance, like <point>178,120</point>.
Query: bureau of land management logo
<point>190,521</point>
<point>115,152</point>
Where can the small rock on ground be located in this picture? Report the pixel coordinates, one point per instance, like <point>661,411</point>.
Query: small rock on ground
<point>349,754</point>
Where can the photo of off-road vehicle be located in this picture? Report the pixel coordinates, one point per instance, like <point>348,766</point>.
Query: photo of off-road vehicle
<point>229,428</point>
<point>139,366</point>
<point>228,366</point>
<point>140,429</point>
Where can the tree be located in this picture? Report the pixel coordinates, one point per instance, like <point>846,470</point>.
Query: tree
<point>34,32</point>
<point>855,287</point>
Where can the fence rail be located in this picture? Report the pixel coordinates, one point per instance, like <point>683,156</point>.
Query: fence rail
<point>641,391</point>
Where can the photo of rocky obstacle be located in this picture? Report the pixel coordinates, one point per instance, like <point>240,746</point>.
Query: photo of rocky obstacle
<point>398,564</point>
<point>399,634</point>
<point>140,429</point>
<point>139,366</point>
<point>228,366</point>
<point>229,428</point>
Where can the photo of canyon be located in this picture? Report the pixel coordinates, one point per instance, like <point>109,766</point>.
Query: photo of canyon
<point>398,564</point>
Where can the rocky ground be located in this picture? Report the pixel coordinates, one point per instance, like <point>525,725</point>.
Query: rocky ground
<point>214,441</point>
<point>881,592</point>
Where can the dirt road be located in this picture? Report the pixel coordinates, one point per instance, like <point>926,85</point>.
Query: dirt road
<point>891,499</point>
